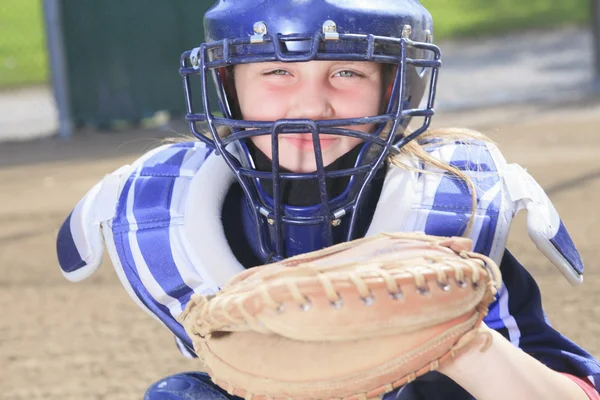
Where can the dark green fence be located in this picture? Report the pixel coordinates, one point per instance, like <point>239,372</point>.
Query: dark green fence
<point>122,58</point>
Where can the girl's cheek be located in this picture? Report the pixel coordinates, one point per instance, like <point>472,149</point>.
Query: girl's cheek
<point>265,106</point>
<point>261,110</point>
<point>360,104</point>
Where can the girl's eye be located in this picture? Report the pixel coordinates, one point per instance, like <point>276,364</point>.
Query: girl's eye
<point>347,74</point>
<point>277,72</point>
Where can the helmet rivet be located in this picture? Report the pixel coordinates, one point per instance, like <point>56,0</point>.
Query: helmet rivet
<point>336,222</point>
<point>260,30</point>
<point>428,36</point>
<point>330,30</point>
<point>329,26</point>
<point>195,58</point>
<point>406,31</point>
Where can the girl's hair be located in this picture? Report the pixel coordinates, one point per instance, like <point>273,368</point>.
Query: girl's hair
<point>436,137</point>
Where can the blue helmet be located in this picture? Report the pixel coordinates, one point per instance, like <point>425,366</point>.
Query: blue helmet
<point>396,32</point>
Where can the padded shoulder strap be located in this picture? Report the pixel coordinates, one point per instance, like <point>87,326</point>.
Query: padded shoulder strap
<point>544,226</point>
<point>79,243</point>
<point>423,198</point>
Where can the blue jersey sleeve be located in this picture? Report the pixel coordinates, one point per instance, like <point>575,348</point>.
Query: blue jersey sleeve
<point>518,315</point>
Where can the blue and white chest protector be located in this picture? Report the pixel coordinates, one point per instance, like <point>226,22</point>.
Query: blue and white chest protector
<point>160,220</point>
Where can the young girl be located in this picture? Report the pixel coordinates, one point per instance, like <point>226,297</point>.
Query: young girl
<point>312,149</point>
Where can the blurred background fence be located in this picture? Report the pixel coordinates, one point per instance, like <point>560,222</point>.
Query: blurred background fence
<point>121,58</point>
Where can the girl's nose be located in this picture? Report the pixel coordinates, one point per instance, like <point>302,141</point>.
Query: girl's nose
<point>311,101</point>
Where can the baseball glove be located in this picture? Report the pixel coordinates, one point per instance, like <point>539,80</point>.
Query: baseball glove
<point>352,321</point>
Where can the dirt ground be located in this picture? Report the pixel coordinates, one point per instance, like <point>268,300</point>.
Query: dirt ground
<point>60,340</point>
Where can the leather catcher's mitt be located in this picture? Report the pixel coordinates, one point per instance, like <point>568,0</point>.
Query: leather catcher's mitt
<point>352,321</point>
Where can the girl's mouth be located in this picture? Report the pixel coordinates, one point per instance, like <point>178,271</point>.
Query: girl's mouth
<point>305,142</point>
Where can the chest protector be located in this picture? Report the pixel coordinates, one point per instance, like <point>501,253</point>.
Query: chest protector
<point>160,219</point>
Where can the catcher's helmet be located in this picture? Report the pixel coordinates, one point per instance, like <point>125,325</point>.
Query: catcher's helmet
<point>395,32</point>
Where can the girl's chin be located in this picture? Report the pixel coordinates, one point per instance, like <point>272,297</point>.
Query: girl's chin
<point>298,154</point>
<point>306,165</point>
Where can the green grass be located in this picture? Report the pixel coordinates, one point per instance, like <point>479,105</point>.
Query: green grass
<point>23,56</point>
<point>460,18</point>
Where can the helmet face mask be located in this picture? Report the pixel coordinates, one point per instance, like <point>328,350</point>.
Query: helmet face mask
<point>256,31</point>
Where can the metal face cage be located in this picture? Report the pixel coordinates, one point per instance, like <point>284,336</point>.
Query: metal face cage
<point>274,220</point>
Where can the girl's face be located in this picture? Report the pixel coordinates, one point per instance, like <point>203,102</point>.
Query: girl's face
<point>316,90</point>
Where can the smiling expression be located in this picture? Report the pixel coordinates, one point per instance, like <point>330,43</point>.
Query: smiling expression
<point>316,90</point>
